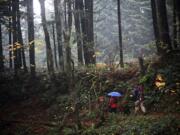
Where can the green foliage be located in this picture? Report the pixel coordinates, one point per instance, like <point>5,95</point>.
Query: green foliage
<point>165,126</point>
<point>53,131</point>
<point>152,98</point>
<point>23,131</point>
<point>147,78</point>
<point>136,125</point>
<point>92,115</point>
<point>167,74</point>
<point>148,81</point>
<point>110,130</point>
<point>151,126</point>
<point>90,131</point>
<point>123,85</point>
<point>68,131</point>
<point>88,87</point>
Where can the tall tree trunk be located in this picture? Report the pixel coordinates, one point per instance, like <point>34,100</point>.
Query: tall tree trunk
<point>120,33</point>
<point>1,52</point>
<point>67,36</point>
<point>54,42</point>
<point>177,3</point>
<point>78,32</point>
<point>91,33</point>
<point>84,28</point>
<point>20,39</point>
<point>18,45</point>
<point>68,49</point>
<point>165,42</point>
<point>155,24</point>
<point>89,45</point>
<point>10,37</point>
<point>58,16</point>
<point>141,65</point>
<point>14,22</point>
<point>30,14</point>
<point>174,25</point>
<point>49,55</point>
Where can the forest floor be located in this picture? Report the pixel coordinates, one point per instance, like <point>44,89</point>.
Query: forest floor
<point>39,108</point>
<point>31,117</point>
<point>29,114</point>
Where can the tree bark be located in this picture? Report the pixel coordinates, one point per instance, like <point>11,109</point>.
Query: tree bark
<point>155,25</point>
<point>68,49</point>
<point>20,40</point>
<point>141,65</point>
<point>14,22</point>
<point>18,45</point>
<point>120,33</point>
<point>78,32</point>
<point>67,36</point>
<point>174,25</point>
<point>30,17</point>
<point>1,52</point>
<point>49,55</point>
<point>165,41</point>
<point>10,37</point>
<point>84,28</point>
<point>89,53</point>
<point>59,32</point>
<point>54,42</point>
<point>177,3</point>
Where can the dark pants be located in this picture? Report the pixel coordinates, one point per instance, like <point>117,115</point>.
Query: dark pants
<point>113,110</point>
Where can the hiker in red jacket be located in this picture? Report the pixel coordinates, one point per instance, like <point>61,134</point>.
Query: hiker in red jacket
<point>113,104</point>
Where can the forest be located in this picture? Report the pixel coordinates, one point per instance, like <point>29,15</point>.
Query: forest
<point>89,67</point>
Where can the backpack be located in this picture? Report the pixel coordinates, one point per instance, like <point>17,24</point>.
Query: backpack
<point>136,93</point>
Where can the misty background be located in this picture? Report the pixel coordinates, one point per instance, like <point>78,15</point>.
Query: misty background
<point>136,23</point>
